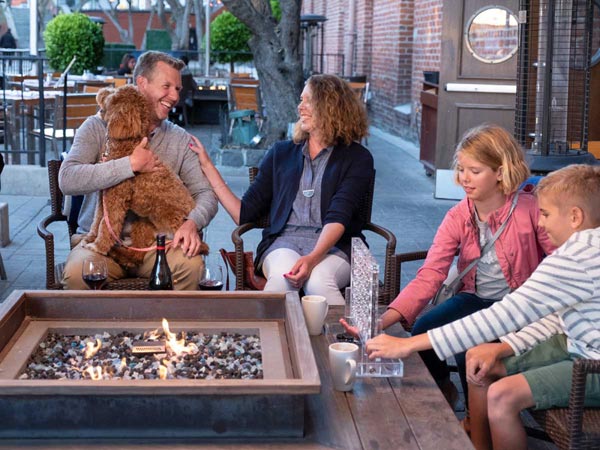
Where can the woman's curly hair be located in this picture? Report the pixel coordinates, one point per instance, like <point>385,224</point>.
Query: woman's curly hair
<point>339,112</point>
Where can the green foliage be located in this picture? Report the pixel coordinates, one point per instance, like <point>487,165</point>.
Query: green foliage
<point>230,36</point>
<point>69,35</point>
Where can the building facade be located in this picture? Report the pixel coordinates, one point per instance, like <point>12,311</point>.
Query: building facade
<point>392,42</point>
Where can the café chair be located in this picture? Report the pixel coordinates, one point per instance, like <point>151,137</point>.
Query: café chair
<point>366,206</point>
<point>243,94</point>
<point>53,269</point>
<point>66,118</point>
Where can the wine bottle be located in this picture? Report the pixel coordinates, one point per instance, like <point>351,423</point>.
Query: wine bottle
<point>160,277</point>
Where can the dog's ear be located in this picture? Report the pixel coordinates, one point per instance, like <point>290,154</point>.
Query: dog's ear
<point>102,95</point>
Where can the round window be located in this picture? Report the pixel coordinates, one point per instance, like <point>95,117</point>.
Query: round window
<point>492,34</point>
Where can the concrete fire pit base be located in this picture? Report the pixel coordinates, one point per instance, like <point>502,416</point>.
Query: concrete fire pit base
<point>263,408</point>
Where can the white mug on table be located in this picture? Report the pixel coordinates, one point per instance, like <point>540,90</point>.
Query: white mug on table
<point>315,310</point>
<point>342,362</point>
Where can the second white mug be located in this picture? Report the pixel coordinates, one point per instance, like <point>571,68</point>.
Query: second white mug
<point>315,310</point>
<point>342,362</point>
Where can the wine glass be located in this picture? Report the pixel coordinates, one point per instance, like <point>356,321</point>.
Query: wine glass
<point>211,278</point>
<point>94,272</point>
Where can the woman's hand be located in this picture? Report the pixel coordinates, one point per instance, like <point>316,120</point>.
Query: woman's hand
<point>300,272</point>
<point>199,150</point>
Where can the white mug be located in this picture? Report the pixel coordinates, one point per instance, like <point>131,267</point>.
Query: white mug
<point>315,310</point>
<point>342,361</point>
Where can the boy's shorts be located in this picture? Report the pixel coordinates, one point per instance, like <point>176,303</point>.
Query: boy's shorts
<point>548,368</point>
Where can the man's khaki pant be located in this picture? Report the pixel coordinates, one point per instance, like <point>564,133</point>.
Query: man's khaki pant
<point>186,271</point>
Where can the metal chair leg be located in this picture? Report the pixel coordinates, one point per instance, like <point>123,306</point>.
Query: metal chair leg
<point>2,271</point>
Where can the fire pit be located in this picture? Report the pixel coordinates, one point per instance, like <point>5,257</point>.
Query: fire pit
<point>269,405</point>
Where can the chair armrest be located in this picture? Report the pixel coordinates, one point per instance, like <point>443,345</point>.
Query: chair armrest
<point>389,273</point>
<point>48,238</point>
<point>581,369</point>
<point>238,243</point>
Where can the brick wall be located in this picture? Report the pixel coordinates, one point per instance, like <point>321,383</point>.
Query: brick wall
<point>427,49</point>
<point>395,40</point>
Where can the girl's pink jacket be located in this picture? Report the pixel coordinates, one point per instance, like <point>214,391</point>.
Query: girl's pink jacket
<point>520,248</point>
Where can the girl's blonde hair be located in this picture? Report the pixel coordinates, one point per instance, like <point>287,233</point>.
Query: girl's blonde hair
<point>493,146</point>
<point>574,185</point>
<point>340,114</point>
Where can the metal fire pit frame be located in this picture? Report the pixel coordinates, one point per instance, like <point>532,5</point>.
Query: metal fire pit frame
<point>268,407</point>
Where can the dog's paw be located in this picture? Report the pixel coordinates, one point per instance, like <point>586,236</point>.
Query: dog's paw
<point>93,247</point>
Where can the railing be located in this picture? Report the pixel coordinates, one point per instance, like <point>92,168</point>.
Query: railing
<point>22,109</point>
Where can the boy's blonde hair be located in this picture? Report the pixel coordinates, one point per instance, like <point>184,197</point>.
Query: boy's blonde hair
<point>574,185</point>
<point>493,146</point>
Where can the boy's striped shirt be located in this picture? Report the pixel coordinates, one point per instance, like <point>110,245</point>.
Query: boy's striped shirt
<point>561,296</point>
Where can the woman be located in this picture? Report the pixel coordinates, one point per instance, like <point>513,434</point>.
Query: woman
<point>127,65</point>
<point>310,187</point>
<point>490,166</point>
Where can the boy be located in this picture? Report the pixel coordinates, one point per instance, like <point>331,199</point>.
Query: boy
<point>561,301</point>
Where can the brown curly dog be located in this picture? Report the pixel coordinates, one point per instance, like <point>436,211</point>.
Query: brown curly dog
<point>159,199</point>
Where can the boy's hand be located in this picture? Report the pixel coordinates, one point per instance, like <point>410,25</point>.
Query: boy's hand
<point>484,360</point>
<point>385,346</point>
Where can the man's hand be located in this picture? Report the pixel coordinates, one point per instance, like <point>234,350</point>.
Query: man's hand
<point>300,272</point>
<point>484,360</point>
<point>187,238</point>
<point>143,159</point>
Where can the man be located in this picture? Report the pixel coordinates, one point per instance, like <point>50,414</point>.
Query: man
<point>157,76</point>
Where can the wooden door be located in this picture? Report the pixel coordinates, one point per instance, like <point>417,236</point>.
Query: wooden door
<point>478,70</point>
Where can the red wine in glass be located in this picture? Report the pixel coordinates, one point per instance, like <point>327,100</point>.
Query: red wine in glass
<point>95,281</point>
<point>211,279</point>
<point>94,273</point>
<point>210,285</point>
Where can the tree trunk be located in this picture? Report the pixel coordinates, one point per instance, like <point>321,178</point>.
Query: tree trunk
<point>275,47</point>
<point>199,23</point>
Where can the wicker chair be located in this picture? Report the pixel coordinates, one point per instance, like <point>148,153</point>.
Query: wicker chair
<point>366,207</point>
<point>574,427</point>
<point>53,270</point>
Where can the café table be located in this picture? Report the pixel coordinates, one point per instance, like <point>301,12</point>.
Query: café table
<point>20,120</point>
<point>379,413</point>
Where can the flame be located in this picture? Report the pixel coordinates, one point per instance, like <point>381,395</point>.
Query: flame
<point>91,349</point>
<point>95,373</point>
<point>177,346</point>
<point>162,372</point>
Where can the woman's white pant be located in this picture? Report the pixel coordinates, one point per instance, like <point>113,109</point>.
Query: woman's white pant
<point>327,278</point>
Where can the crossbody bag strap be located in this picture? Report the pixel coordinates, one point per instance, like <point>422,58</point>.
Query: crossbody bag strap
<point>487,246</point>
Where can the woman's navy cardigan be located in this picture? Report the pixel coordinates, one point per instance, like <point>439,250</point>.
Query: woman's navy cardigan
<point>345,181</point>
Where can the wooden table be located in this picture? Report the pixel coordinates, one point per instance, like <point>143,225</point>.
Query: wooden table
<point>380,413</point>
